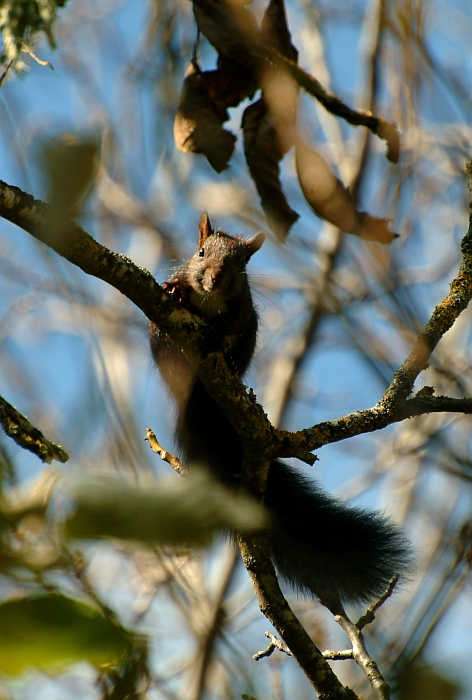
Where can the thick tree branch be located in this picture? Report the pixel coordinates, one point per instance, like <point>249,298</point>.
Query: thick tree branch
<point>256,556</point>
<point>26,435</point>
<point>77,246</point>
<point>366,421</point>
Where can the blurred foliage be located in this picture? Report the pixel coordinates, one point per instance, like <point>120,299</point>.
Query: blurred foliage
<point>51,631</point>
<point>422,682</point>
<point>20,21</point>
<point>167,511</point>
<point>70,165</point>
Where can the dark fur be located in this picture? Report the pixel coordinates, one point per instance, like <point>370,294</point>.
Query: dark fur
<point>321,546</point>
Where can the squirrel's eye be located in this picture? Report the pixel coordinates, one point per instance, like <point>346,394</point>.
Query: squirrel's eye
<point>201,252</point>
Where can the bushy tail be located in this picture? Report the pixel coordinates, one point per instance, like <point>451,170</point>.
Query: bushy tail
<point>325,548</point>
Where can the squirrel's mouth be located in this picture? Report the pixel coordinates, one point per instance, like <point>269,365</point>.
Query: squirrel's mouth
<point>209,303</point>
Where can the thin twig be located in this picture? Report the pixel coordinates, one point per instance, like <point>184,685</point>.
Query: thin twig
<point>269,650</point>
<point>345,655</point>
<point>5,72</point>
<point>359,652</point>
<point>216,619</point>
<point>156,447</point>
<point>26,49</point>
<point>369,615</point>
<point>362,657</point>
<point>445,590</point>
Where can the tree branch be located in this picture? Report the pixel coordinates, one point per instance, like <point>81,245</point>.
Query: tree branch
<point>394,406</point>
<point>366,421</point>
<point>26,435</point>
<point>255,552</point>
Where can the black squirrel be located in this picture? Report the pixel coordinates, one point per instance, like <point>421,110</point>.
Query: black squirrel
<point>321,546</point>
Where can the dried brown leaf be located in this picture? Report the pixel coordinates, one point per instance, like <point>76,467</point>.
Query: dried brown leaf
<point>199,119</point>
<point>370,228</point>
<point>388,132</point>
<point>270,126</point>
<point>231,83</point>
<point>263,150</point>
<point>229,26</point>
<point>332,201</point>
<point>275,31</point>
<point>326,195</point>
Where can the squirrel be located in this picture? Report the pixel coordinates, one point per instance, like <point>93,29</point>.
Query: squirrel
<point>320,546</point>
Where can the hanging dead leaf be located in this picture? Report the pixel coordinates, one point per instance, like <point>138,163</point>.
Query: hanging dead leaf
<point>275,31</point>
<point>326,195</point>
<point>263,151</point>
<point>279,90</point>
<point>231,83</point>
<point>388,131</point>
<point>370,228</point>
<point>281,96</point>
<point>332,201</point>
<point>198,122</point>
<point>270,125</point>
<point>229,26</point>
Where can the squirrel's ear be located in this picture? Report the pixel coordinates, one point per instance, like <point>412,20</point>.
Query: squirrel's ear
<point>253,244</point>
<point>204,229</point>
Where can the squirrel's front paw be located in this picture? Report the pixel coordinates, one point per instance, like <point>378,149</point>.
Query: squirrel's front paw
<point>175,288</point>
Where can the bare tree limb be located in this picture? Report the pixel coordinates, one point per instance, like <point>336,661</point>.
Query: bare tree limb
<point>362,657</point>
<point>24,433</point>
<point>256,556</point>
<point>257,434</point>
<point>369,420</point>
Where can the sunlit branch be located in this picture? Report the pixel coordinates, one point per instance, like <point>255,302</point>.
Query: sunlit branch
<point>27,436</point>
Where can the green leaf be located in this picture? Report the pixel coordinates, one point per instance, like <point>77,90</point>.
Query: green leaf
<point>52,630</point>
<point>171,511</point>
